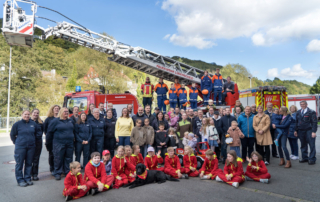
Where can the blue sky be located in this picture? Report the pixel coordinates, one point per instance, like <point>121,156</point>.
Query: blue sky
<point>266,38</point>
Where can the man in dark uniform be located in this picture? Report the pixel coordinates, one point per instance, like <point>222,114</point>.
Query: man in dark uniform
<point>306,129</point>
<point>98,130</point>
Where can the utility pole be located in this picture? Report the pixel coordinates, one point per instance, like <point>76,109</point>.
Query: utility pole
<point>250,80</point>
<point>8,110</point>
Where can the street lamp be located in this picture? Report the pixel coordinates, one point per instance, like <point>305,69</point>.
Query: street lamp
<point>8,109</point>
<point>250,80</point>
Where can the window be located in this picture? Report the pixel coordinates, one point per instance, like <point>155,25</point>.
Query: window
<point>81,102</point>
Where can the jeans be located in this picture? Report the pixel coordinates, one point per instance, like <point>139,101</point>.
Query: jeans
<point>173,105</point>
<point>206,98</point>
<point>306,139</point>
<point>294,146</point>
<point>193,105</point>
<point>161,104</point>
<point>274,147</point>
<point>147,101</point>
<point>124,140</point>
<point>23,157</point>
<point>264,151</point>
<point>279,133</point>
<point>237,150</point>
<point>247,144</point>
<point>283,147</point>
<point>110,144</point>
<point>216,94</point>
<point>142,150</point>
<point>224,148</point>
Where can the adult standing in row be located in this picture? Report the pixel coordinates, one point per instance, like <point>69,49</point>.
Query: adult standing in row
<point>60,135</point>
<point>102,111</point>
<point>197,124</point>
<point>245,122</point>
<point>140,115</point>
<point>98,129</point>
<point>206,84</point>
<point>284,126</point>
<point>35,163</point>
<point>123,128</point>
<point>177,86</point>
<point>225,125</point>
<point>269,112</point>
<point>161,89</point>
<point>109,136</point>
<point>293,140</point>
<point>130,110</point>
<point>90,111</point>
<point>306,129</point>
<point>261,124</point>
<point>148,114</point>
<point>75,114</point>
<point>159,119</point>
<point>51,115</point>
<point>147,90</point>
<point>254,109</point>
<point>83,135</point>
<point>217,82</point>
<point>183,126</point>
<point>23,134</point>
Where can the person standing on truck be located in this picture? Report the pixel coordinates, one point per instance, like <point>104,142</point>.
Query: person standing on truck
<point>173,96</point>
<point>227,88</point>
<point>140,115</point>
<point>206,84</point>
<point>306,129</point>
<point>109,136</point>
<point>193,96</point>
<point>217,82</point>
<point>147,90</point>
<point>183,96</point>
<point>161,90</point>
<point>269,112</point>
<point>124,127</point>
<point>98,132</point>
<point>51,115</point>
<point>177,86</point>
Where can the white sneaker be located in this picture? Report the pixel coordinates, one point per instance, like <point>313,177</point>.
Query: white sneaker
<point>295,158</point>
<point>235,184</point>
<point>248,178</point>
<point>264,181</point>
<point>218,179</point>
<point>205,178</point>
<point>291,156</point>
<point>266,163</point>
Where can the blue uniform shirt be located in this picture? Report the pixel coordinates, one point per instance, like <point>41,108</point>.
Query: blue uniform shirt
<point>24,133</point>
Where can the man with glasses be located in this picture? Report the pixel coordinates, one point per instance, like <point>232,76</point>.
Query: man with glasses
<point>147,90</point>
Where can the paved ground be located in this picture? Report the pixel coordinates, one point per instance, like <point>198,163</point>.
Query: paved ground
<point>299,183</point>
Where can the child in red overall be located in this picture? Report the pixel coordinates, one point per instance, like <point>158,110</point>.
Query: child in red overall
<point>137,155</point>
<point>172,165</point>
<point>119,167</point>
<point>190,162</point>
<point>74,186</point>
<point>96,176</point>
<point>209,169</point>
<point>233,170</point>
<point>151,161</point>
<point>130,159</point>
<point>256,169</point>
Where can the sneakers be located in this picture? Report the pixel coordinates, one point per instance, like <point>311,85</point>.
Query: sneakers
<point>22,184</point>
<point>205,177</point>
<point>266,163</point>
<point>94,191</point>
<point>58,177</point>
<point>248,178</point>
<point>185,176</point>
<point>294,157</point>
<point>291,156</point>
<point>276,143</point>
<point>218,179</point>
<point>29,183</point>
<point>266,181</point>
<point>68,198</point>
<point>235,184</point>
<point>35,178</point>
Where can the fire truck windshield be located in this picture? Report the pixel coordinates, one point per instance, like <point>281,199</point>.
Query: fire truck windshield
<point>80,102</point>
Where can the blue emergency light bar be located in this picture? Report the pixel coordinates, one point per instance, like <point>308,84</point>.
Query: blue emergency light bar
<point>78,89</point>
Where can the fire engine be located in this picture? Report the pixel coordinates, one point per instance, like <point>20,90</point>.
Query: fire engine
<point>313,101</point>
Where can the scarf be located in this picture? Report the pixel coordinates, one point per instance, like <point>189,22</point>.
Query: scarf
<point>143,176</point>
<point>95,165</point>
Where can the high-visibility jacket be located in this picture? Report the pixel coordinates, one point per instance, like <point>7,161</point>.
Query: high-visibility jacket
<point>147,89</point>
<point>206,83</point>
<point>173,95</point>
<point>183,95</point>
<point>161,89</point>
<point>217,82</point>
<point>177,86</point>
<point>193,94</point>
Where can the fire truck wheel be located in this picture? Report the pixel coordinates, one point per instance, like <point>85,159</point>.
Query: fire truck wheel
<point>180,158</point>
<point>200,162</point>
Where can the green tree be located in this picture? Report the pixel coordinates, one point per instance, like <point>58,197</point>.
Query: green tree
<point>72,81</point>
<point>315,89</point>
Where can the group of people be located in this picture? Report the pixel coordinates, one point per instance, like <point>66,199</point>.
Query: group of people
<point>178,95</point>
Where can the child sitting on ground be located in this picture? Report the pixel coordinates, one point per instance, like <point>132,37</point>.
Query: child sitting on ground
<point>235,133</point>
<point>137,156</point>
<point>185,139</point>
<point>119,167</point>
<point>213,135</point>
<point>129,158</point>
<point>190,162</point>
<point>151,161</point>
<point>106,159</point>
<point>233,171</point>
<point>209,169</point>
<point>172,165</point>
<point>256,169</point>
<point>174,140</point>
<point>276,119</point>
<point>96,176</point>
<point>74,186</point>
<point>162,140</point>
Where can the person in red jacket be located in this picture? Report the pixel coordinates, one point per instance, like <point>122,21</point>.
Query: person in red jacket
<point>119,167</point>
<point>96,176</point>
<point>233,170</point>
<point>209,169</point>
<point>190,162</point>
<point>137,155</point>
<point>172,165</point>
<point>74,186</point>
<point>130,159</point>
<point>256,169</point>
<point>151,161</point>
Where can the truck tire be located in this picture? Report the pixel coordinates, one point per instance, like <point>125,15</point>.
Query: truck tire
<point>180,158</point>
<point>200,162</point>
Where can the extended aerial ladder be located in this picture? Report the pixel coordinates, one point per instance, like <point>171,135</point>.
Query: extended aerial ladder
<point>18,31</point>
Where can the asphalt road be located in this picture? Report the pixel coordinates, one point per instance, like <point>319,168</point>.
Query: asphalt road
<point>299,183</point>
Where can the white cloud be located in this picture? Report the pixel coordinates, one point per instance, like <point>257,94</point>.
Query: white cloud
<point>273,73</point>
<point>297,71</point>
<point>313,46</point>
<point>265,22</point>
<point>166,36</point>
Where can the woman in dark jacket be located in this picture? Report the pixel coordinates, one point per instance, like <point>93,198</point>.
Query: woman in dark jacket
<point>60,135</point>
<point>23,134</point>
<point>159,119</point>
<point>109,137</point>
<point>35,163</point>
<point>90,112</point>
<point>83,133</point>
<point>293,140</point>
<point>284,126</point>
